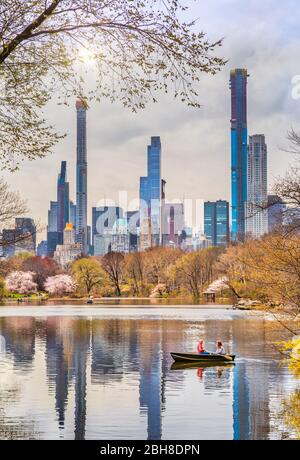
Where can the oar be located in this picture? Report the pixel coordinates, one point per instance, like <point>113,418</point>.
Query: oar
<point>229,358</point>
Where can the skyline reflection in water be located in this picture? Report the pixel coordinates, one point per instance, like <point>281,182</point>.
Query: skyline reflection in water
<point>112,378</point>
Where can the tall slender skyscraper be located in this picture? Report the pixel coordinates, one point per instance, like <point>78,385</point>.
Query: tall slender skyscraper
<point>257,214</point>
<point>81,177</point>
<point>151,197</point>
<point>239,139</point>
<point>63,201</point>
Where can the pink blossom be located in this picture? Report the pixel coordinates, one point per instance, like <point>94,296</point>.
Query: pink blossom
<point>20,282</point>
<point>59,284</point>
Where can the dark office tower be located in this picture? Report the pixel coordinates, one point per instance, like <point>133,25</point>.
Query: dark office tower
<point>73,214</point>
<point>52,233</point>
<point>63,201</point>
<point>238,86</point>
<point>216,222</point>
<point>89,238</point>
<point>81,177</point>
<point>133,221</point>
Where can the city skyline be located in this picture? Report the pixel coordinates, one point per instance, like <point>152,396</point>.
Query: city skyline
<point>116,137</point>
<point>248,190</point>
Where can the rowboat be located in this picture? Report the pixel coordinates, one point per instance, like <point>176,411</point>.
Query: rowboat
<point>200,358</point>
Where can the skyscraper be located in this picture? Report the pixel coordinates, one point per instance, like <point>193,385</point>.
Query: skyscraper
<point>81,177</point>
<point>216,222</point>
<point>173,224</point>
<point>151,196</point>
<point>52,233</point>
<point>257,214</point>
<point>63,201</point>
<point>239,138</point>
<point>73,214</point>
<point>103,220</point>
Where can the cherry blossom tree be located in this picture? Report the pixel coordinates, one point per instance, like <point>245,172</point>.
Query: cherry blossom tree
<point>20,282</point>
<point>59,284</point>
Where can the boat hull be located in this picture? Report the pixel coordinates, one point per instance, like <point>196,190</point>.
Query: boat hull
<point>201,358</point>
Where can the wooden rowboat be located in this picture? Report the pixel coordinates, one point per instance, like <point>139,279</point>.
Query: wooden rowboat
<point>200,358</point>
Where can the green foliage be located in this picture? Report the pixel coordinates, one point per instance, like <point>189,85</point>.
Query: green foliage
<point>88,275</point>
<point>3,292</point>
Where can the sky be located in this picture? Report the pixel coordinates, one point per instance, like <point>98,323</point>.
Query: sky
<point>260,36</point>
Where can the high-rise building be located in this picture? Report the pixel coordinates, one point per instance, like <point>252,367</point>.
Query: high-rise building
<point>151,197</point>
<point>216,222</point>
<point>81,177</point>
<point>102,243</point>
<point>103,220</point>
<point>68,251</point>
<point>173,224</point>
<point>20,239</point>
<point>52,233</point>
<point>239,139</point>
<point>73,214</point>
<point>133,221</point>
<point>120,236</point>
<point>42,249</point>
<point>257,186</point>
<point>63,200</point>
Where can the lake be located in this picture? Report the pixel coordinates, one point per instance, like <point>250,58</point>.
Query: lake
<point>103,372</point>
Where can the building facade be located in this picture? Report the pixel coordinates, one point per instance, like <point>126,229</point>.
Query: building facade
<point>81,177</point>
<point>257,213</point>
<point>103,221</point>
<point>73,214</point>
<point>216,222</point>
<point>52,233</point>
<point>120,237</point>
<point>21,238</point>
<point>63,200</point>
<point>173,224</point>
<point>67,252</point>
<point>239,139</point>
<point>151,197</point>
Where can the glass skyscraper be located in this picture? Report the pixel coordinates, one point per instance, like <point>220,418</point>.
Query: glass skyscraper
<point>216,222</point>
<point>81,177</point>
<point>239,139</point>
<point>63,201</point>
<point>150,197</point>
<point>52,233</point>
<point>257,214</point>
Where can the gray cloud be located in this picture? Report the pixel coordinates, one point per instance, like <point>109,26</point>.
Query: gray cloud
<point>262,36</point>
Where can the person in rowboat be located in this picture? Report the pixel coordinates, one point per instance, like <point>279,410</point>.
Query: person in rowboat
<point>220,349</point>
<point>200,348</point>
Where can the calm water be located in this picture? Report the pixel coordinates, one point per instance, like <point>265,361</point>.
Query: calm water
<point>105,373</point>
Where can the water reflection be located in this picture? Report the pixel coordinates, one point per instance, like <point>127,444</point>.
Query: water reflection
<point>80,378</point>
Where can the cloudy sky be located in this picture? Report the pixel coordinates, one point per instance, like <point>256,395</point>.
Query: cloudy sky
<point>262,36</point>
